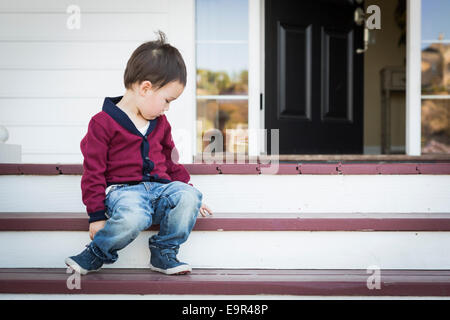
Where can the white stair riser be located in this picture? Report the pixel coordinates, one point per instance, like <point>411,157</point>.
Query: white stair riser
<point>251,249</point>
<point>256,193</point>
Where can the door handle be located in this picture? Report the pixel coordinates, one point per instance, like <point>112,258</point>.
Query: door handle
<point>366,41</point>
<point>361,20</point>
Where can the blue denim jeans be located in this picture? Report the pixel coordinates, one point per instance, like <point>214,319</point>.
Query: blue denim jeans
<point>134,208</point>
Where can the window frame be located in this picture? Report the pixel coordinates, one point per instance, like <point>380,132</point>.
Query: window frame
<point>255,78</point>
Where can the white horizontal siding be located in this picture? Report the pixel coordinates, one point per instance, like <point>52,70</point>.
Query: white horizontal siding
<point>95,27</point>
<point>19,112</point>
<point>53,79</point>
<point>46,157</point>
<point>47,139</point>
<point>60,84</point>
<point>65,55</point>
<point>86,5</point>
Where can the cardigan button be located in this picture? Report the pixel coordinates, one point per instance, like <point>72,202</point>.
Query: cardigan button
<point>147,158</point>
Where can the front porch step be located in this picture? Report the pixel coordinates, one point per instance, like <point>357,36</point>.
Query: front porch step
<point>230,282</point>
<point>35,240</point>
<point>244,221</point>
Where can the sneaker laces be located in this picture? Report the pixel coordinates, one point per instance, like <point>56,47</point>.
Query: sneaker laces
<point>95,258</point>
<point>170,254</point>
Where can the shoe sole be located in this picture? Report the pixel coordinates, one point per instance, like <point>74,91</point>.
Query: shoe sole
<point>77,268</point>
<point>183,269</point>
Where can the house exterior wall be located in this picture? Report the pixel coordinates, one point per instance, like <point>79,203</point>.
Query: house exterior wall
<point>54,78</point>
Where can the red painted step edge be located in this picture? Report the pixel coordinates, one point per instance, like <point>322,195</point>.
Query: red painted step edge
<point>230,282</point>
<point>78,222</point>
<point>255,168</point>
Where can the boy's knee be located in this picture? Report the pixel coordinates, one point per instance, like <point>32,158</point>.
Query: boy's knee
<point>129,220</point>
<point>197,194</point>
<point>186,198</point>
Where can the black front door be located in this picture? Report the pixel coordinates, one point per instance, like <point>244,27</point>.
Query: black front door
<point>313,76</point>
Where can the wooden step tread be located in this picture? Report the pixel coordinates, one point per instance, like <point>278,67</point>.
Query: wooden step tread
<point>231,282</point>
<point>76,221</point>
<point>253,168</point>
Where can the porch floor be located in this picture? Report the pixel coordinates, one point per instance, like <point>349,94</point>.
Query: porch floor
<point>231,282</point>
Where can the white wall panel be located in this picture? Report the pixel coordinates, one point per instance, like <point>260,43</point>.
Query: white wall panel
<point>47,139</point>
<point>85,5</point>
<point>43,157</point>
<point>60,84</point>
<point>94,26</point>
<point>53,79</point>
<point>62,112</point>
<point>65,55</point>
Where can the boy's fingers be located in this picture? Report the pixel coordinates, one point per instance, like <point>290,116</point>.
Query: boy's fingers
<point>208,209</point>
<point>204,206</point>
<point>204,210</point>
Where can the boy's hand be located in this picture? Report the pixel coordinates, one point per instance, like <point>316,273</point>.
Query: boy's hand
<point>204,209</point>
<point>94,227</point>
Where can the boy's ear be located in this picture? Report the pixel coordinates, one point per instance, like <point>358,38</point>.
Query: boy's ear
<point>145,86</point>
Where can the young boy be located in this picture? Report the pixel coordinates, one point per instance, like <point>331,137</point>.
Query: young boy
<point>131,178</point>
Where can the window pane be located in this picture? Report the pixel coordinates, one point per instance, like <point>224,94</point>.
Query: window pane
<point>435,21</point>
<point>222,69</point>
<point>435,126</point>
<point>435,47</point>
<point>222,20</point>
<point>230,118</point>
<point>436,69</point>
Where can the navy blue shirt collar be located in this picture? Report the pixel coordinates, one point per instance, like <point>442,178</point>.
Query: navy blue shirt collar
<point>109,106</point>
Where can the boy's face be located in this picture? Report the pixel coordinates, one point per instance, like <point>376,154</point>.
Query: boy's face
<point>154,102</point>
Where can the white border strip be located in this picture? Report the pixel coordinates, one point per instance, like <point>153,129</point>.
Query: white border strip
<point>254,75</point>
<point>413,78</point>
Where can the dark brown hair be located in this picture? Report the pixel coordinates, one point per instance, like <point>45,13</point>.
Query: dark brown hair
<point>157,62</point>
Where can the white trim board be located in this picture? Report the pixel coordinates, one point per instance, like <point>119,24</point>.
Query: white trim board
<point>254,76</point>
<point>413,77</point>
